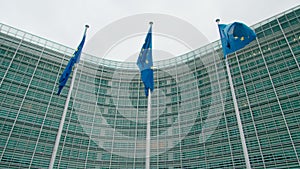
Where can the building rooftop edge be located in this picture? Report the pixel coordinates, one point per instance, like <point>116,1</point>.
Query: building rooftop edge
<point>207,48</point>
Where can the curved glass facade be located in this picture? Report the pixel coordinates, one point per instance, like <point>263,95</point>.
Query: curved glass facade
<point>193,123</point>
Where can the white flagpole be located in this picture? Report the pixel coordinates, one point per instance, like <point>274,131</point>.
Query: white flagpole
<point>62,121</point>
<point>63,117</point>
<point>237,112</point>
<point>148,139</point>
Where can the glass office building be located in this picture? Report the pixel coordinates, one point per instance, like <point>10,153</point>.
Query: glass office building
<point>193,122</point>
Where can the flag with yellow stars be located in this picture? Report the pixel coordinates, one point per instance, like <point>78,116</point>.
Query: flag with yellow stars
<point>68,70</point>
<point>145,63</point>
<point>235,36</point>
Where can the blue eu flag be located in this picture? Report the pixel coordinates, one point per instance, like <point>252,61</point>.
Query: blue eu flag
<point>68,70</point>
<point>235,36</point>
<point>145,63</point>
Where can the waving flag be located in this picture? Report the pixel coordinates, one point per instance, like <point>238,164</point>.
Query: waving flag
<point>235,36</point>
<point>145,63</point>
<point>68,70</point>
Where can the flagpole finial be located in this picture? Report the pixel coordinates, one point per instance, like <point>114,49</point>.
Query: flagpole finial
<point>218,20</point>
<point>87,26</point>
<point>151,23</point>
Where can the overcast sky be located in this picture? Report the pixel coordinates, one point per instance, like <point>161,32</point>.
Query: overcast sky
<point>63,21</point>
